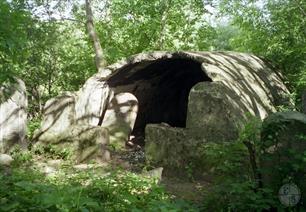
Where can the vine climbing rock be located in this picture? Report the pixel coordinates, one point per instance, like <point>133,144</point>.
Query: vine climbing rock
<point>172,97</point>
<point>283,143</point>
<point>13,115</point>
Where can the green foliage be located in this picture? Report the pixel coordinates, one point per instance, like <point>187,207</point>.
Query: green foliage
<point>288,156</point>
<point>21,156</point>
<point>275,30</point>
<point>233,195</point>
<point>223,38</point>
<point>28,190</point>
<point>49,56</point>
<point>189,168</point>
<point>33,125</point>
<point>234,187</point>
<point>14,23</point>
<point>52,151</point>
<point>137,26</point>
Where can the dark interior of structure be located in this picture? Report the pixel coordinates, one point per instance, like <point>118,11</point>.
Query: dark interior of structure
<point>162,88</point>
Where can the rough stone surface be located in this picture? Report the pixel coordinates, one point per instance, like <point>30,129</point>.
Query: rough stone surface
<point>13,115</point>
<point>82,142</point>
<point>92,100</point>
<point>171,147</point>
<point>5,160</point>
<point>215,113</point>
<point>284,147</point>
<point>58,114</point>
<point>120,118</point>
<point>207,93</point>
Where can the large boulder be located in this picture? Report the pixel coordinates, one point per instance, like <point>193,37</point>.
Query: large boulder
<point>58,115</point>
<point>172,147</point>
<point>120,118</point>
<point>13,115</point>
<point>284,150</point>
<point>81,142</point>
<point>64,129</point>
<point>215,113</point>
<point>92,100</point>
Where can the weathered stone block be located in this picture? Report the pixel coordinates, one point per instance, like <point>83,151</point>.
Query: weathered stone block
<point>58,114</point>
<point>13,115</point>
<point>83,142</point>
<point>214,112</point>
<point>120,118</point>
<point>171,147</point>
<point>93,99</point>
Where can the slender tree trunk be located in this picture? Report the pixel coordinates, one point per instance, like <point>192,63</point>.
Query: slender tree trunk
<point>304,101</point>
<point>99,55</point>
<point>252,156</point>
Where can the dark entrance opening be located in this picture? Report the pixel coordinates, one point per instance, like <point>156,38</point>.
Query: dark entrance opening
<point>162,88</point>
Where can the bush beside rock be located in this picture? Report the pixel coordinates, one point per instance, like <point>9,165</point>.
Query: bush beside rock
<point>283,146</point>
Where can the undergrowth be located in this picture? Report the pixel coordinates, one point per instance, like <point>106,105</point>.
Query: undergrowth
<point>24,188</point>
<point>235,185</point>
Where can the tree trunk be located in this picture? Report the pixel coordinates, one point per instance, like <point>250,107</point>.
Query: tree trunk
<point>304,101</point>
<point>252,157</point>
<point>99,55</point>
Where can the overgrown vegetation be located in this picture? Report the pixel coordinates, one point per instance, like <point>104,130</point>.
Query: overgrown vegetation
<point>238,185</point>
<point>45,43</point>
<point>23,188</point>
<point>235,186</point>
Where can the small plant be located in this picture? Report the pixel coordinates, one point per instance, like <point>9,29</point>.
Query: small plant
<point>51,151</point>
<point>33,125</point>
<point>21,156</point>
<point>189,168</point>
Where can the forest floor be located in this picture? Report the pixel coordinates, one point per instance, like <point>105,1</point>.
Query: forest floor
<point>179,187</point>
<point>51,165</point>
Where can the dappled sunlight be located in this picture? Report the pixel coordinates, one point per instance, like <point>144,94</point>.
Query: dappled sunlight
<point>206,95</point>
<point>13,117</point>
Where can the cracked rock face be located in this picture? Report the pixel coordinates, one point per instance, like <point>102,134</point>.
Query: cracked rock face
<point>206,95</point>
<point>13,115</point>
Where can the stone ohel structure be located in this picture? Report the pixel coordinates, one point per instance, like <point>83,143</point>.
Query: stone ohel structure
<point>168,102</point>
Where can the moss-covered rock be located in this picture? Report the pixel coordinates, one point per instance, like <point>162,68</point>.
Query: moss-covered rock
<point>173,148</point>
